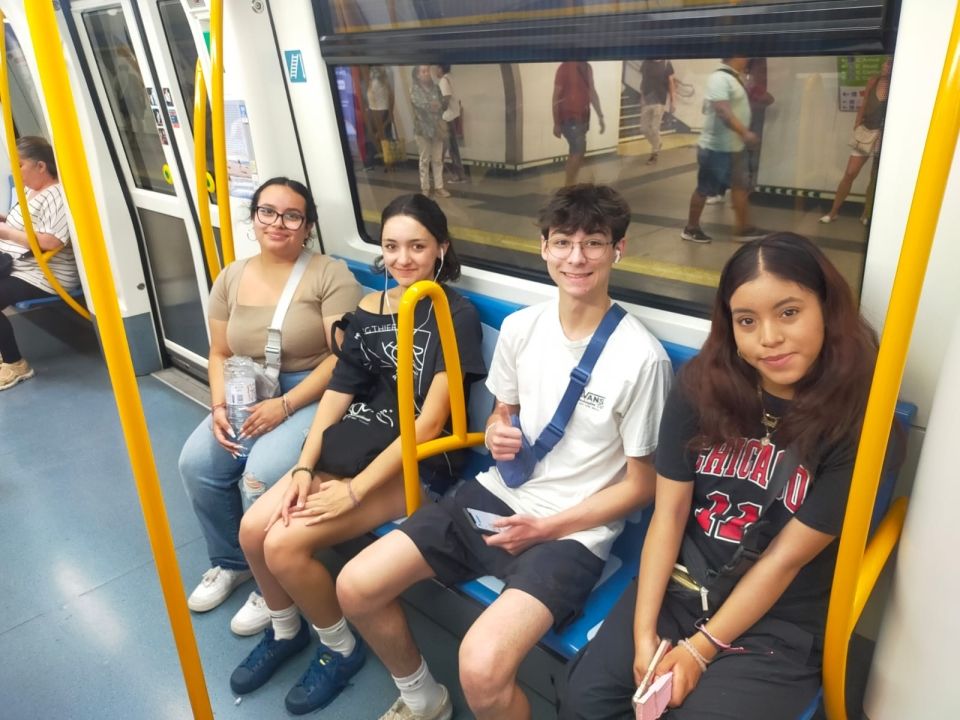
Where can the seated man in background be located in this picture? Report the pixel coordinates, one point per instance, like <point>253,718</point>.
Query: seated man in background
<point>556,528</point>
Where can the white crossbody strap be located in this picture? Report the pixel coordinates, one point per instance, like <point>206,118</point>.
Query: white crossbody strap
<point>272,350</point>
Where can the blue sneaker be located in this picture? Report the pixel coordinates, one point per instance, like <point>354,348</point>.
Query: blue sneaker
<point>264,660</point>
<point>329,673</point>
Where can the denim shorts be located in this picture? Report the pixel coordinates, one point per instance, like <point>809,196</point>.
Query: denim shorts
<point>718,171</point>
<point>576,134</point>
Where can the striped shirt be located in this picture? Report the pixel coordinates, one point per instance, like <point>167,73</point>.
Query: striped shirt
<point>48,211</point>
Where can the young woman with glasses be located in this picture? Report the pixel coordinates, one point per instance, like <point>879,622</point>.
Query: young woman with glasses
<point>220,483</point>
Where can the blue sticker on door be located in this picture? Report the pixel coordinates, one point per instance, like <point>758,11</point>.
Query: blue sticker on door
<point>294,60</point>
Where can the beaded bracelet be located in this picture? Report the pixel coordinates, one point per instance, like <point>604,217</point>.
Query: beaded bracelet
<point>353,496</point>
<point>286,407</point>
<point>694,653</point>
<point>301,468</point>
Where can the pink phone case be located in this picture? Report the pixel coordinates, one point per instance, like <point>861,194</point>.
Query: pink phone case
<point>653,703</point>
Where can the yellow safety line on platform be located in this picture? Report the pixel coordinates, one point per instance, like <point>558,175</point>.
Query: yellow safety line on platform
<point>39,254</point>
<point>200,171</point>
<point>52,67</point>
<point>854,565</point>
<point>630,263</point>
<point>219,131</point>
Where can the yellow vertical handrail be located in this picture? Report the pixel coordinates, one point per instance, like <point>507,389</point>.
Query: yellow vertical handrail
<point>200,171</point>
<point>66,131</point>
<point>219,131</point>
<point>928,194</point>
<point>39,254</point>
<point>459,438</point>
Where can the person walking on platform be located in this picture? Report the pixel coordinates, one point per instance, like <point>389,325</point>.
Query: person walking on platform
<point>721,157</point>
<point>20,275</point>
<point>221,477</point>
<point>429,129</point>
<point>865,143</point>
<point>558,516</point>
<point>658,91</point>
<point>573,94</point>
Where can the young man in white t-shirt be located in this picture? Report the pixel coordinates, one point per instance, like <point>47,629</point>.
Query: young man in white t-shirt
<point>558,526</point>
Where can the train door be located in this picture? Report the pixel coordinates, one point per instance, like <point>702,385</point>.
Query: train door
<point>144,115</point>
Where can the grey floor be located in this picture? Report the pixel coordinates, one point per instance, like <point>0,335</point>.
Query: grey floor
<point>83,629</point>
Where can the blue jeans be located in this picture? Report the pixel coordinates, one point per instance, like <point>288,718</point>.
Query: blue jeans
<point>221,487</point>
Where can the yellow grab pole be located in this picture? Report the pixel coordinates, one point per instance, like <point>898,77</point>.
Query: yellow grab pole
<point>66,131</point>
<point>921,224</point>
<point>200,171</point>
<point>38,252</point>
<point>460,438</point>
<point>219,131</point>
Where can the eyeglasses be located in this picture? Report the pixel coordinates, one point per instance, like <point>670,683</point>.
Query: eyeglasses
<point>561,248</point>
<point>291,219</point>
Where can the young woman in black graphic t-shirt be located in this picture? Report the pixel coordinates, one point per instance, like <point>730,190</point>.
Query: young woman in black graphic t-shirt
<point>787,364</point>
<point>348,478</point>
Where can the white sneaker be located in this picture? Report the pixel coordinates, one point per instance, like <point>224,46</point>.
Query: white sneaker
<point>715,199</point>
<point>215,587</point>
<point>400,711</point>
<point>827,219</point>
<point>252,618</point>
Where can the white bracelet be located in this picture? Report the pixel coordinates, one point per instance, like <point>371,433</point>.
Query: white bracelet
<point>486,433</point>
<point>692,649</point>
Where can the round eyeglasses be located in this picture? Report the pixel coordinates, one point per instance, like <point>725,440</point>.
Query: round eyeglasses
<point>291,219</point>
<point>561,248</point>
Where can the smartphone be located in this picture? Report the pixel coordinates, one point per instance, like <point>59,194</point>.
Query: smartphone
<point>653,703</point>
<point>483,521</point>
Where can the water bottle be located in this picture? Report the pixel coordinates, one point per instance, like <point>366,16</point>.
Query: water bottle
<point>240,384</point>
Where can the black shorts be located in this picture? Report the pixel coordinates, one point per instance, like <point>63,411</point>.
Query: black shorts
<point>558,573</point>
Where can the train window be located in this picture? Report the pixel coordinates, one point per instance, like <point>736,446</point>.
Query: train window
<point>351,16</point>
<point>513,132</point>
<point>24,103</point>
<point>127,95</point>
<point>183,50</point>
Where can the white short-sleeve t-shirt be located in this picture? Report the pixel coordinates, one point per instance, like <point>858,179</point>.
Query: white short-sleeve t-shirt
<point>618,415</point>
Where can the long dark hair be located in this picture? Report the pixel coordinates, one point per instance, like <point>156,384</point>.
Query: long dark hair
<point>426,212</point>
<point>830,399</point>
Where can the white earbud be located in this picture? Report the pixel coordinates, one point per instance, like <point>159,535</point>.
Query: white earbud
<point>441,254</point>
<point>616,258</point>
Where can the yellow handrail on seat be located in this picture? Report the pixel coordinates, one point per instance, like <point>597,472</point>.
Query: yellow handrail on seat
<point>219,131</point>
<point>52,66</point>
<point>200,171</point>
<point>459,438</point>
<point>42,256</point>
<point>858,565</point>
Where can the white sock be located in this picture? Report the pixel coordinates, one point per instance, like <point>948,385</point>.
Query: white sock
<point>420,691</point>
<point>286,623</point>
<point>338,637</point>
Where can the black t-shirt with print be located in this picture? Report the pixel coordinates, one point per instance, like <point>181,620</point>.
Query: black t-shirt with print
<point>367,369</point>
<point>730,482</point>
<point>655,82</point>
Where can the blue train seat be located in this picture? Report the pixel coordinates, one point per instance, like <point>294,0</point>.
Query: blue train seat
<point>624,558</point>
<point>77,294</point>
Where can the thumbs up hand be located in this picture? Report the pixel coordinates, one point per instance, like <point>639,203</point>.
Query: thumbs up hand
<point>502,438</point>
